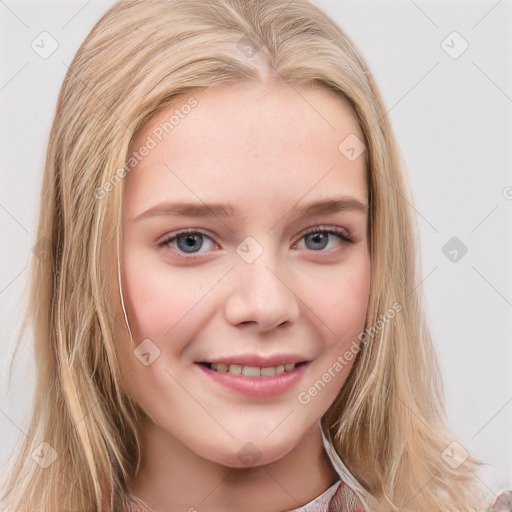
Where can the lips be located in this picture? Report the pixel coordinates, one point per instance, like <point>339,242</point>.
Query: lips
<point>255,376</point>
<point>253,365</point>
<point>257,360</point>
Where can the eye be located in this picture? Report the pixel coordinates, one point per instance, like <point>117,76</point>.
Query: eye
<point>318,238</point>
<point>187,242</point>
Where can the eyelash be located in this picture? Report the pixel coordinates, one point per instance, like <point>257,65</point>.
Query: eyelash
<point>342,233</point>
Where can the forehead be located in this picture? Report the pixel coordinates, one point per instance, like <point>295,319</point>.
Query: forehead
<point>233,142</point>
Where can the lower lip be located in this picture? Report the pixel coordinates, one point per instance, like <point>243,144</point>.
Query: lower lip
<point>257,386</point>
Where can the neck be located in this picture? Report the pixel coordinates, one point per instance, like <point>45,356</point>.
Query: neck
<point>171,477</point>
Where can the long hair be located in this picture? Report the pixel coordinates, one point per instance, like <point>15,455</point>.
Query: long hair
<point>388,423</point>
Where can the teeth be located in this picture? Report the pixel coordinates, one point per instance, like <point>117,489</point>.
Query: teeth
<point>252,371</point>
<point>268,372</point>
<point>235,369</point>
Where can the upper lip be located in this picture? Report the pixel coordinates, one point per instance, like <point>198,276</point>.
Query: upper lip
<point>257,360</point>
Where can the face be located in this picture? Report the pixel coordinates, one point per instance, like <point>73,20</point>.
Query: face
<point>245,267</point>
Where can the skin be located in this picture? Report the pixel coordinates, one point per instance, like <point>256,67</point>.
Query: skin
<point>264,150</point>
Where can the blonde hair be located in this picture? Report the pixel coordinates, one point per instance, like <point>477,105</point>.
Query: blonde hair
<point>388,422</point>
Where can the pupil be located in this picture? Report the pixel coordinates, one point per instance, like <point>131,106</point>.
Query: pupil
<point>191,242</point>
<point>318,238</point>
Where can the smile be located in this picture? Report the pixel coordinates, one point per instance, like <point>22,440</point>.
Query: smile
<point>255,381</point>
<point>252,371</point>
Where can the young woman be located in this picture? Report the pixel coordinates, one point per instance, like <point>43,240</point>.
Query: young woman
<point>228,316</point>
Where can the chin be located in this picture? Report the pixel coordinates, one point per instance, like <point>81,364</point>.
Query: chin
<point>256,451</point>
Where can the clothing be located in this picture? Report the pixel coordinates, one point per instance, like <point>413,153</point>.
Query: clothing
<point>322,501</point>
<point>344,495</point>
<point>337,498</point>
<point>502,502</point>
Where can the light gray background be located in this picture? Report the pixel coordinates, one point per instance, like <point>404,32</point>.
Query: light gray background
<point>452,117</point>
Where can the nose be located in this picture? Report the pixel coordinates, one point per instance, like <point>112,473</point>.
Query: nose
<point>261,295</point>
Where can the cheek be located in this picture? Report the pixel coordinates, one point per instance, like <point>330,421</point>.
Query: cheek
<point>342,303</point>
<point>158,299</point>
<point>342,307</point>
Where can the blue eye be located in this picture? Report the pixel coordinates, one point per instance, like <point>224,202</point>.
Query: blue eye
<point>188,243</point>
<point>320,237</point>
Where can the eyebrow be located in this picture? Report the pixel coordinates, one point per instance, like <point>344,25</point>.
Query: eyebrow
<point>321,207</point>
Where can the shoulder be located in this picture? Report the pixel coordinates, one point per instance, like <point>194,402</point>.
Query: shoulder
<point>502,502</point>
<point>345,499</point>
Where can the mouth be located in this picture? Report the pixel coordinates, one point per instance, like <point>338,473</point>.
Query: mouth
<point>252,371</point>
<point>254,376</point>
